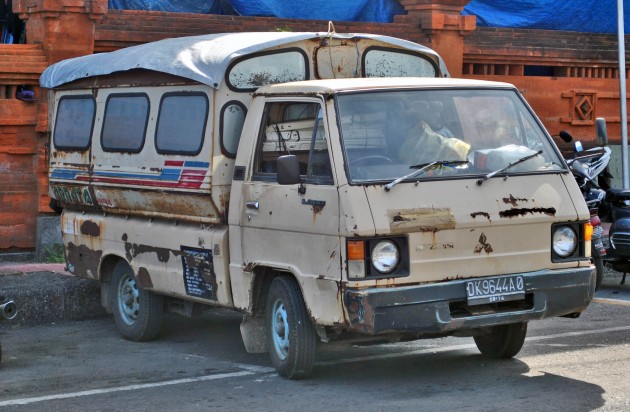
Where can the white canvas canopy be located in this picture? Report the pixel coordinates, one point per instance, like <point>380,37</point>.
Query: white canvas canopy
<point>201,58</point>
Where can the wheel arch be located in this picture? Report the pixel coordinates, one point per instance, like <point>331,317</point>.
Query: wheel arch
<point>105,270</point>
<point>263,276</point>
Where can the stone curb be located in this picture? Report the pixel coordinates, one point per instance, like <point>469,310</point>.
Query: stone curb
<point>46,293</point>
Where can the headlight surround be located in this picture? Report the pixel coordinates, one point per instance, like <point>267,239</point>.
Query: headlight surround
<point>385,256</point>
<point>377,257</point>
<point>564,241</point>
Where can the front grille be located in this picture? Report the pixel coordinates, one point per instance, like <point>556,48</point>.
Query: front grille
<point>461,309</point>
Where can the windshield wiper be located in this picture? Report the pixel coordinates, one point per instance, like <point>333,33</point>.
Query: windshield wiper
<point>503,169</point>
<point>423,167</point>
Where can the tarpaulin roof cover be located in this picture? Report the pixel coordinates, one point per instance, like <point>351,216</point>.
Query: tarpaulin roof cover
<point>346,10</point>
<point>591,16</point>
<point>201,58</point>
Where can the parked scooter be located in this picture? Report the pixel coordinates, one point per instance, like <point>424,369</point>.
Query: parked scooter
<point>8,310</point>
<point>589,170</point>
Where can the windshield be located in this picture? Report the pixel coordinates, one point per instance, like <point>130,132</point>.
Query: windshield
<point>386,134</point>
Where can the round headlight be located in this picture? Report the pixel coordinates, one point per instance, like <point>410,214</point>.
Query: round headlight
<point>564,241</point>
<point>385,256</point>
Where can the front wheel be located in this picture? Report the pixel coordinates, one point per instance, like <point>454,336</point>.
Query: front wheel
<point>291,337</point>
<point>503,341</point>
<point>137,312</point>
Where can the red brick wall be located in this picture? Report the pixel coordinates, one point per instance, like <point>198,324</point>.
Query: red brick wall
<point>60,29</point>
<point>583,80</point>
<point>22,177</point>
<point>123,28</point>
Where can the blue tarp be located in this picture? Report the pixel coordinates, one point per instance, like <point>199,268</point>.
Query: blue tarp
<point>346,10</point>
<point>181,6</point>
<point>592,16</point>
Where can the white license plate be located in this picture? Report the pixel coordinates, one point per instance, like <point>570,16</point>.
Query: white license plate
<point>494,290</point>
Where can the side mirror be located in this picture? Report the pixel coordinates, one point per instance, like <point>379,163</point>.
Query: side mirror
<point>288,170</point>
<point>577,147</point>
<point>565,136</point>
<point>602,134</point>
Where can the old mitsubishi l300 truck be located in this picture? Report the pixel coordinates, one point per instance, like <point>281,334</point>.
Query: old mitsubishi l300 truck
<point>326,186</point>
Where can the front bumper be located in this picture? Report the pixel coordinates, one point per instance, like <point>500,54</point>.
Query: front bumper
<point>442,309</point>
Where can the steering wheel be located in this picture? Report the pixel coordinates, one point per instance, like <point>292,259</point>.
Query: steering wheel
<point>379,159</point>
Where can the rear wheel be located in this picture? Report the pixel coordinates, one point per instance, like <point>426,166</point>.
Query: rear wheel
<point>291,337</point>
<point>137,312</point>
<point>503,341</point>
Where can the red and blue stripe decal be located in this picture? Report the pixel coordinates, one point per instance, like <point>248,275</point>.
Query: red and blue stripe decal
<point>174,174</point>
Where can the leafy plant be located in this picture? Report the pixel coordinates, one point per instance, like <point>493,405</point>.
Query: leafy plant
<point>53,253</point>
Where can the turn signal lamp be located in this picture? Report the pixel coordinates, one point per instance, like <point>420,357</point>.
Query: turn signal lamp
<point>356,258</point>
<point>588,231</point>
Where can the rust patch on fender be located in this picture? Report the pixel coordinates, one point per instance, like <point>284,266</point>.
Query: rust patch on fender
<point>420,220</point>
<point>360,312</point>
<point>90,228</point>
<point>163,254</point>
<point>144,278</point>
<point>83,259</point>
<point>551,211</point>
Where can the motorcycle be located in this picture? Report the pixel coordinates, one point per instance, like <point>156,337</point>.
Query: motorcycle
<point>589,170</point>
<point>8,310</point>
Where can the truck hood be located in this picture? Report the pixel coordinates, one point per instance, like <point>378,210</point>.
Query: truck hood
<point>458,229</point>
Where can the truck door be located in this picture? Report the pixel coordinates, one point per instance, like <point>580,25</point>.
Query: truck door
<point>292,227</point>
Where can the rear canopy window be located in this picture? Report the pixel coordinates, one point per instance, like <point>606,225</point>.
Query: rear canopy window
<point>125,122</point>
<point>279,67</point>
<point>181,123</point>
<point>74,123</point>
<point>379,62</point>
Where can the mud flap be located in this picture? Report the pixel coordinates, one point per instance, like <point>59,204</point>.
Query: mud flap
<point>253,334</point>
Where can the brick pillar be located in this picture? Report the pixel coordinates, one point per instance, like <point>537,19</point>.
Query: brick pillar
<point>446,28</point>
<point>64,28</point>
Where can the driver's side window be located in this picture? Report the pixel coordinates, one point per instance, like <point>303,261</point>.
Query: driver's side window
<point>296,128</point>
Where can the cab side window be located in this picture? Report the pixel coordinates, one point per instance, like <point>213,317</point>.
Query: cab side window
<point>295,128</point>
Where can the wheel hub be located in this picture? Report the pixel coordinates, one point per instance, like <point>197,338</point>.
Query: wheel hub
<point>280,330</point>
<point>128,302</point>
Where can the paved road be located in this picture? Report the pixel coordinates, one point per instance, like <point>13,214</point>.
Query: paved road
<point>566,365</point>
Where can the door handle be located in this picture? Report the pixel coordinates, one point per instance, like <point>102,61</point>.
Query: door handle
<point>253,205</point>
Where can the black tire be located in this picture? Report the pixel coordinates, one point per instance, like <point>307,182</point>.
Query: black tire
<point>291,337</point>
<point>599,270</point>
<point>503,341</point>
<point>137,312</point>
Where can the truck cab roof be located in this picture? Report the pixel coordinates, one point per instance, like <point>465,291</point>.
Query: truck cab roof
<point>329,86</point>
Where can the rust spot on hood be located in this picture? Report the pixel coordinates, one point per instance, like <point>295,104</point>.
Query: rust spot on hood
<point>551,211</point>
<point>420,220</point>
<point>513,200</point>
<point>484,214</point>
